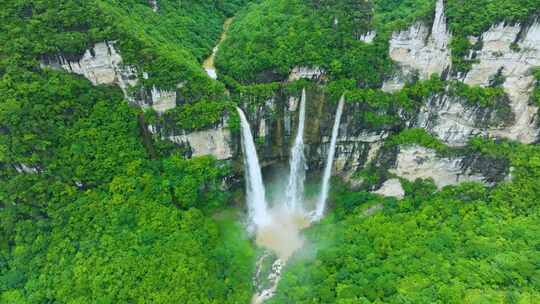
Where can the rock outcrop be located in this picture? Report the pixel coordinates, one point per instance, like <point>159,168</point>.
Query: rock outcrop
<point>509,50</point>
<point>391,188</point>
<point>415,162</point>
<point>162,100</point>
<point>359,144</point>
<point>302,72</point>
<point>103,64</point>
<point>421,50</point>
<point>215,142</point>
<point>368,37</point>
<point>22,168</point>
<point>513,51</point>
<point>454,121</point>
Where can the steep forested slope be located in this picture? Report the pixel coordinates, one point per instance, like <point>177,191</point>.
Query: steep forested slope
<point>466,244</point>
<point>274,36</point>
<point>93,208</point>
<point>89,211</point>
<point>269,38</point>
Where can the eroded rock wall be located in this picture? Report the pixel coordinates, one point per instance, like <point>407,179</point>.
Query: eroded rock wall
<point>415,162</point>
<point>514,51</point>
<point>274,123</point>
<point>454,121</point>
<point>360,145</point>
<point>103,64</point>
<point>509,50</point>
<point>420,49</point>
<point>216,142</point>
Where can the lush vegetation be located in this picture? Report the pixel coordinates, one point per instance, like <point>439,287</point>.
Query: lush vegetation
<point>467,18</point>
<point>465,244</point>
<point>270,38</point>
<point>129,242</point>
<point>168,45</point>
<point>87,216</point>
<point>419,137</point>
<point>536,92</point>
<point>191,117</point>
<point>94,209</point>
<point>381,109</point>
<point>91,209</point>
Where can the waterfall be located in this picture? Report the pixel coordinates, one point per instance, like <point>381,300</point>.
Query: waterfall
<point>256,200</point>
<point>297,172</point>
<point>329,162</point>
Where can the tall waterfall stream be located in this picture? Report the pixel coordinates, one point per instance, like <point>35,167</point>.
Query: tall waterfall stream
<point>297,173</point>
<point>255,193</point>
<point>278,227</point>
<point>321,204</point>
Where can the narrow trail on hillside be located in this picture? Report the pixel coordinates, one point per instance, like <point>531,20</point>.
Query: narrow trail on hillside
<point>208,64</point>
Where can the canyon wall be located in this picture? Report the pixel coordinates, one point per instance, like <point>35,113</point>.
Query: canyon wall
<point>103,65</point>
<point>420,51</point>
<point>510,51</point>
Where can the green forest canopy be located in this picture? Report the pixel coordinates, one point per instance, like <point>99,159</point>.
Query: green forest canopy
<point>99,214</point>
<point>269,38</point>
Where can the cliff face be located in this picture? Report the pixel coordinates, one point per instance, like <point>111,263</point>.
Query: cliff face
<point>509,51</point>
<point>420,49</point>
<point>103,64</point>
<point>359,145</point>
<point>515,51</point>
<point>217,141</point>
<point>454,121</point>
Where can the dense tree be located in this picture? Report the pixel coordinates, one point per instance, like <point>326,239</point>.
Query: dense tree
<point>85,214</point>
<point>274,36</point>
<point>466,244</point>
<point>94,210</point>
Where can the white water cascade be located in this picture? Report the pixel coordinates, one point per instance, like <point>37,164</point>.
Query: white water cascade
<point>297,172</point>
<point>255,193</point>
<point>325,188</point>
<point>278,229</point>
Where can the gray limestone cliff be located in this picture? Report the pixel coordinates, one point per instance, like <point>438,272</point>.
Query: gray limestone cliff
<point>420,49</point>
<point>103,64</point>
<point>509,50</point>
<point>454,121</point>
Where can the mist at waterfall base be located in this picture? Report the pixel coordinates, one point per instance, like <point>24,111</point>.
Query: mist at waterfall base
<point>279,218</point>
<point>283,234</point>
